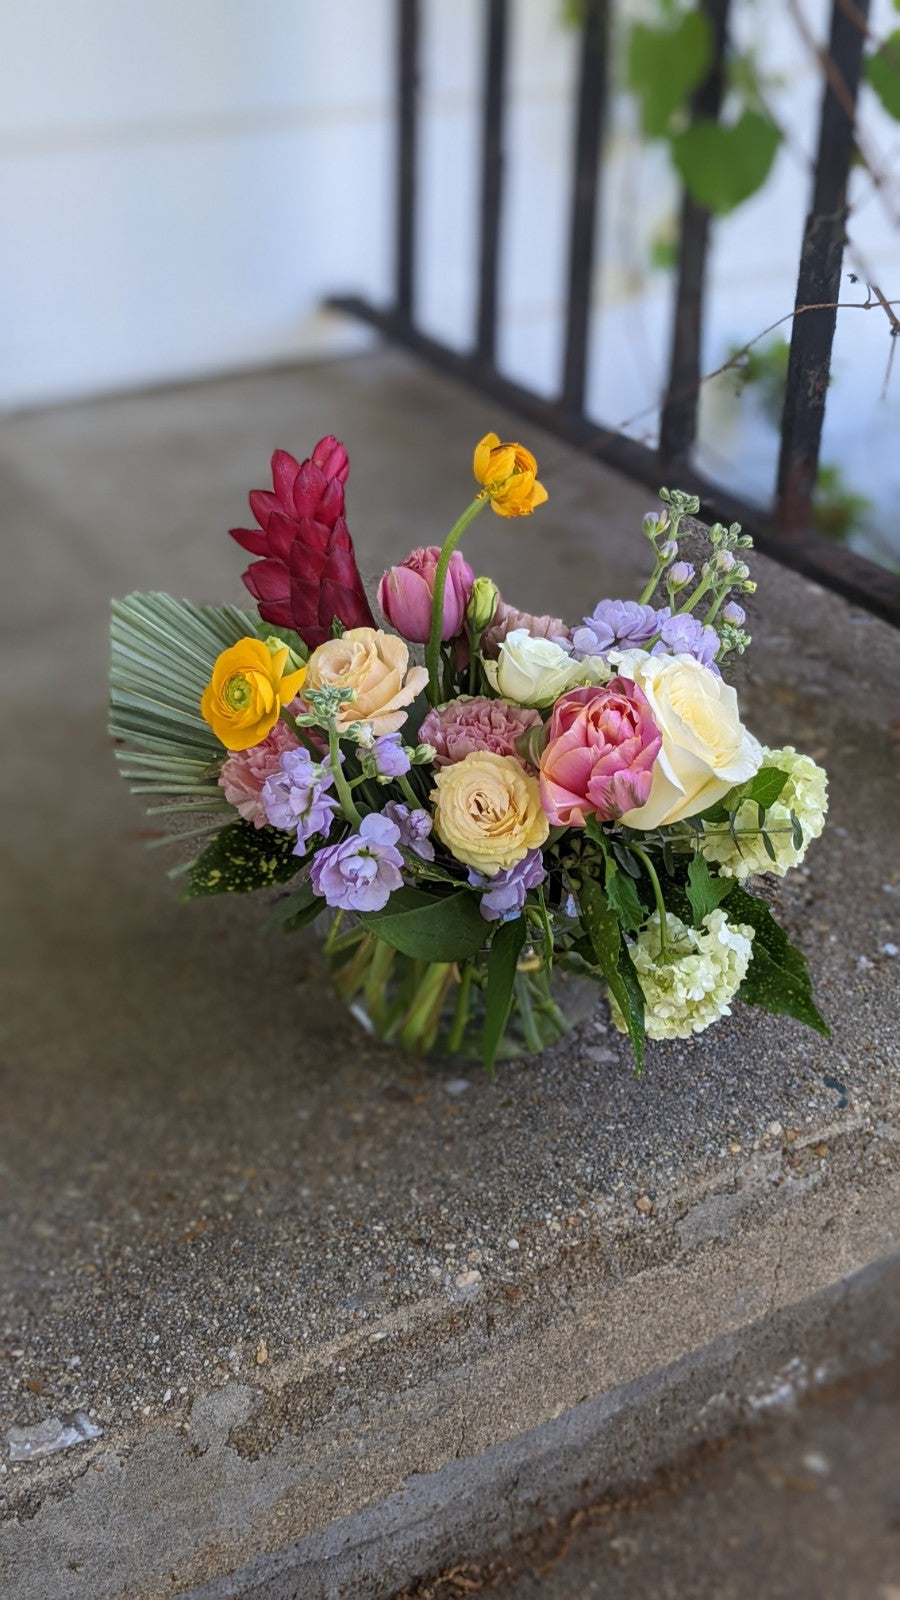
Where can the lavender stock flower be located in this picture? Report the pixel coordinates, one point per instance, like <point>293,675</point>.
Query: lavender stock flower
<point>389,757</point>
<point>295,797</point>
<point>615,625</point>
<point>414,828</point>
<point>504,896</point>
<point>684,635</point>
<point>363,870</point>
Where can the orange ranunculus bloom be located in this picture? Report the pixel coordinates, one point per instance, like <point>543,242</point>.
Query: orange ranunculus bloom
<point>508,474</point>
<point>243,699</point>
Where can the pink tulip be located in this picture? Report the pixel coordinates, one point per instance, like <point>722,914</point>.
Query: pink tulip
<point>405,593</point>
<point>600,754</point>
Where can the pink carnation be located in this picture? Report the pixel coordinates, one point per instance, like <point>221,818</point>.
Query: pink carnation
<point>507,618</point>
<point>600,755</point>
<point>475,723</point>
<point>245,771</point>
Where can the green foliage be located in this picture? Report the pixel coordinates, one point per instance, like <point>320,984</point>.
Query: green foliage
<point>623,897</point>
<point>665,64</point>
<point>612,957</point>
<point>439,930</point>
<point>764,787</point>
<point>705,892</point>
<point>838,511</point>
<point>883,72</point>
<point>722,166</point>
<point>777,978</point>
<point>503,956</point>
<point>240,859</point>
<point>297,910</point>
<point>765,368</point>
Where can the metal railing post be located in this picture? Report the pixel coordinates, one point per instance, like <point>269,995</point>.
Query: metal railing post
<point>592,82</point>
<point>819,276</point>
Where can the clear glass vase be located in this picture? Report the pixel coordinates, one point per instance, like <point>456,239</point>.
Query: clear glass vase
<point>437,1009</point>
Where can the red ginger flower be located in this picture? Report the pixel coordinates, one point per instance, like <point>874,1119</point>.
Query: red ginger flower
<point>307,574</point>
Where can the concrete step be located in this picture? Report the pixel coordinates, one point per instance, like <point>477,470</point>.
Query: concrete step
<point>292,1277</point>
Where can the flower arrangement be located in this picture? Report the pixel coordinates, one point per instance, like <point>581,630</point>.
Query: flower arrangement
<point>532,798</point>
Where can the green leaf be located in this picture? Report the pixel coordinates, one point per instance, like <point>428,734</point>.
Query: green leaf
<point>665,64</point>
<point>243,858</point>
<point>883,72</point>
<point>418,924</point>
<point>296,911</point>
<point>704,891</point>
<point>723,166</point>
<point>778,977</point>
<point>764,788</point>
<point>611,955</point>
<point>623,897</point>
<point>506,947</point>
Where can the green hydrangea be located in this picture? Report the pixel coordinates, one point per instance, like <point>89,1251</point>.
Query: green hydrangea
<point>805,793</point>
<point>694,983</point>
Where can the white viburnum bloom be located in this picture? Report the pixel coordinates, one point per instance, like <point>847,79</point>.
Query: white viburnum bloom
<point>805,793</point>
<point>695,981</point>
<point>532,672</point>
<point>706,749</point>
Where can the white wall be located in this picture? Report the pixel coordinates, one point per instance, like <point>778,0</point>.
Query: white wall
<point>181,181</point>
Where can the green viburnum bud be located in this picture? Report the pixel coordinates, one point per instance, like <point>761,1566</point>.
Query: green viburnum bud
<point>482,605</point>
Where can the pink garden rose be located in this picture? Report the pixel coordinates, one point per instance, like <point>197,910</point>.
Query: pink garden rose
<point>475,723</point>
<point>405,593</point>
<point>600,754</point>
<point>245,771</point>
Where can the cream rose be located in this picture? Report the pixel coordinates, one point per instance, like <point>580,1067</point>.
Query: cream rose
<point>531,671</point>
<point>376,666</point>
<point>487,811</point>
<point>706,749</point>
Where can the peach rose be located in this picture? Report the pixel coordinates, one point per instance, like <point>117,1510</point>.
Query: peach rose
<point>375,665</point>
<point>488,811</point>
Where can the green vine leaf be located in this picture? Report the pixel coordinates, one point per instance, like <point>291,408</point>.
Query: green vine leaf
<point>615,963</point>
<point>883,72</point>
<point>705,892</point>
<point>722,166</point>
<point>503,956</point>
<point>665,64</point>
<point>764,787</point>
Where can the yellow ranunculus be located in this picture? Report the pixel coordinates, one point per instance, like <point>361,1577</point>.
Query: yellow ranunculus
<point>243,699</point>
<point>488,812</point>
<point>508,475</point>
<point>375,665</point>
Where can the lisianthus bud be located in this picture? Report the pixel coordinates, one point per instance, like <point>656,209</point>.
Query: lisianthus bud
<point>734,614</point>
<point>482,604</point>
<point>680,574</point>
<point>405,594</point>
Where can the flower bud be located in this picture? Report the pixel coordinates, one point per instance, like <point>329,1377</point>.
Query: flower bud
<point>530,744</point>
<point>734,614</point>
<point>724,561</point>
<point>405,595</point>
<point>680,574</point>
<point>482,605</point>
<point>655,523</point>
<point>668,551</point>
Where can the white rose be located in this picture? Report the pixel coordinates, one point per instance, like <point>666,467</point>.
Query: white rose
<point>535,672</point>
<point>706,749</point>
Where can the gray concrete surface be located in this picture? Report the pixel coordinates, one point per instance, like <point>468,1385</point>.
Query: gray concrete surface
<point>285,1271</point>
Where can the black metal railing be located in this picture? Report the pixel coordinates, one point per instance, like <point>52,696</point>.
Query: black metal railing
<point>786,533</point>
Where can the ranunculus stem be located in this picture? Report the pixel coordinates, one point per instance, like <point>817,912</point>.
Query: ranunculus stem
<point>433,648</point>
<point>657,894</point>
<point>407,789</point>
<point>348,805</point>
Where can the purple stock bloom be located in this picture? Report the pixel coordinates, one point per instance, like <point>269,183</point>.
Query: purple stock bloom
<point>295,797</point>
<point>734,614</point>
<point>504,896</point>
<point>684,635</point>
<point>389,756</point>
<point>414,828</point>
<point>362,872</point>
<point>615,625</point>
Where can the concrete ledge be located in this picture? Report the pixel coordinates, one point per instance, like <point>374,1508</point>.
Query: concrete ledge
<point>289,1275</point>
